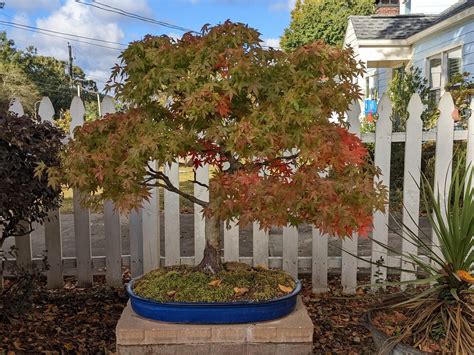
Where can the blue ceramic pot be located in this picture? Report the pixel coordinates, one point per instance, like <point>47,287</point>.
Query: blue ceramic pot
<point>213,312</point>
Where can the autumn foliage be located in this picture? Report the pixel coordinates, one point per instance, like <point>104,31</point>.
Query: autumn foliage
<point>260,117</point>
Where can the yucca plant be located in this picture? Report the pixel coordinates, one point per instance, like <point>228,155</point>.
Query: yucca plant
<point>440,305</point>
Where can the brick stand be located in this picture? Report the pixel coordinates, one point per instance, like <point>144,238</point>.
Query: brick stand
<point>291,335</point>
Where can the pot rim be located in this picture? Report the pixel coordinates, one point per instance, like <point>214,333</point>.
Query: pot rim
<point>132,294</point>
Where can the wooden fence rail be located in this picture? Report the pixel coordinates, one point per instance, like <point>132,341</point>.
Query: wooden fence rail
<point>145,249</point>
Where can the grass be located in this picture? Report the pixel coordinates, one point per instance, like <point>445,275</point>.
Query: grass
<point>183,284</point>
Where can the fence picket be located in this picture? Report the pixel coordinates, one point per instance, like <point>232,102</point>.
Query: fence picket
<point>53,244</point>
<point>320,262</point>
<point>470,138</point>
<point>231,242</point>
<point>290,250</point>
<point>16,107</point>
<point>383,137</point>
<point>443,158</point>
<point>151,230</point>
<point>260,245</point>
<point>411,181</point>
<point>136,243</point>
<point>52,226</point>
<point>172,218</point>
<point>202,193</point>
<point>113,242</point>
<point>82,231</point>
<point>349,245</point>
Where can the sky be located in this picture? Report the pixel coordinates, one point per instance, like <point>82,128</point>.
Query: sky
<point>69,16</point>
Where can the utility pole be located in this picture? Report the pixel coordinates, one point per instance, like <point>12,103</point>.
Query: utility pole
<point>69,47</point>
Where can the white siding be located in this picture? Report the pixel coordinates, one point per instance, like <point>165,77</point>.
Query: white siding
<point>462,34</point>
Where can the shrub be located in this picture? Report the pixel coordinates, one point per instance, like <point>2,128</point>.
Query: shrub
<point>27,148</point>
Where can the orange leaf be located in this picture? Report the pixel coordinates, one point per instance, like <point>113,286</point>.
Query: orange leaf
<point>465,276</point>
<point>215,283</point>
<point>285,289</point>
<point>239,291</point>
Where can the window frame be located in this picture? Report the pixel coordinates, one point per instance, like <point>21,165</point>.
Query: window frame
<point>443,55</point>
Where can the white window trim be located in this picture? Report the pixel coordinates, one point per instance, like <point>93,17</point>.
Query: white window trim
<point>443,55</point>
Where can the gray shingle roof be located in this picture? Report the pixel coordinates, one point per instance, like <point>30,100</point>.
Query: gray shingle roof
<point>401,26</point>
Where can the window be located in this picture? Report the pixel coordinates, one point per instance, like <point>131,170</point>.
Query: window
<point>454,63</point>
<point>441,69</point>
<point>435,71</point>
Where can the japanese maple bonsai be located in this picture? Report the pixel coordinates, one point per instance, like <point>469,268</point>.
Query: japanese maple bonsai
<point>270,124</point>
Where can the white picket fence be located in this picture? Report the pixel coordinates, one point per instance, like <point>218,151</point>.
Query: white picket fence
<point>145,253</point>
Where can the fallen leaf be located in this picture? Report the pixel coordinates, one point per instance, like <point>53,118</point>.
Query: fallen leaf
<point>215,283</point>
<point>285,289</point>
<point>261,267</point>
<point>69,346</point>
<point>171,293</point>
<point>239,291</point>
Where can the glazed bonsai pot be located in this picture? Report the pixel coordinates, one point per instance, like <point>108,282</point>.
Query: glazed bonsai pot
<point>381,340</point>
<point>214,312</point>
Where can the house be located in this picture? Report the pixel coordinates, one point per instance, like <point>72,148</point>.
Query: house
<point>439,41</point>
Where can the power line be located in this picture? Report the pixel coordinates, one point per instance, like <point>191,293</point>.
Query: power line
<point>51,34</point>
<point>116,10</point>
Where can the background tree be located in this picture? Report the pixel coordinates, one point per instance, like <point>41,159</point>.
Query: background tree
<point>259,117</point>
<point>15,83</point>
<point>322,19</point>
<point>47,74</point>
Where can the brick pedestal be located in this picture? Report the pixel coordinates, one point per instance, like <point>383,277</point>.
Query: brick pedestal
<point>290,335</point>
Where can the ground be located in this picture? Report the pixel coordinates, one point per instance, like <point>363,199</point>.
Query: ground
<point>83,320</point>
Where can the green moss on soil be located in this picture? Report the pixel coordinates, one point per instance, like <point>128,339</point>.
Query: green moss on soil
<point>183,284</point>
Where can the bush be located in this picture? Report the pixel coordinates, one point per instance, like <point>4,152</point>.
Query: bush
<point>27,149</point>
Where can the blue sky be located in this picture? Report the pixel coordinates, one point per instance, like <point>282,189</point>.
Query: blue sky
<point>269,17</point>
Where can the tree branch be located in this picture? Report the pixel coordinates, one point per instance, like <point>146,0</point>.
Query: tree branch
<point>168,185</point>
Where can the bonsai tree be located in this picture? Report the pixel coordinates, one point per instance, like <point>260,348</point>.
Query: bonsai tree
<point>259,117</point>
<point>27,149</point>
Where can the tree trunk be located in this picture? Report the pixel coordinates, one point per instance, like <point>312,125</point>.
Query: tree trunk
<point>211,262</point>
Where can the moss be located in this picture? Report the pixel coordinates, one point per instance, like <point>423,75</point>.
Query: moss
<point>183,284</point>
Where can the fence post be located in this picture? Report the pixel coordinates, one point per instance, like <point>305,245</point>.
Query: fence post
<point>443,159</point>
<point>113,242</point>
<point>82,230</point>
<point>202,193</point>
<point>349,245</point>
<point>470,138</point>
<point>231,242</point>
<point>260,245</point>
<point>411,182</point>
<point>383,142</point>
<point>52,226</point>
<point>136,243</point>
<point>290,250</point>
<point>172,217</point>
<point>150,216</point>
<point>320,262</point>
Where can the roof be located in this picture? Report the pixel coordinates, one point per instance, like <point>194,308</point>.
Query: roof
<point>401,26</point>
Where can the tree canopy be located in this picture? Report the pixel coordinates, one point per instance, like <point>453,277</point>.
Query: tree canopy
<point>260,117</point>
<point>322,19</point>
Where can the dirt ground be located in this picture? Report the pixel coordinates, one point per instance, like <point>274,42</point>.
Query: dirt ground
<point>73,320</point>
